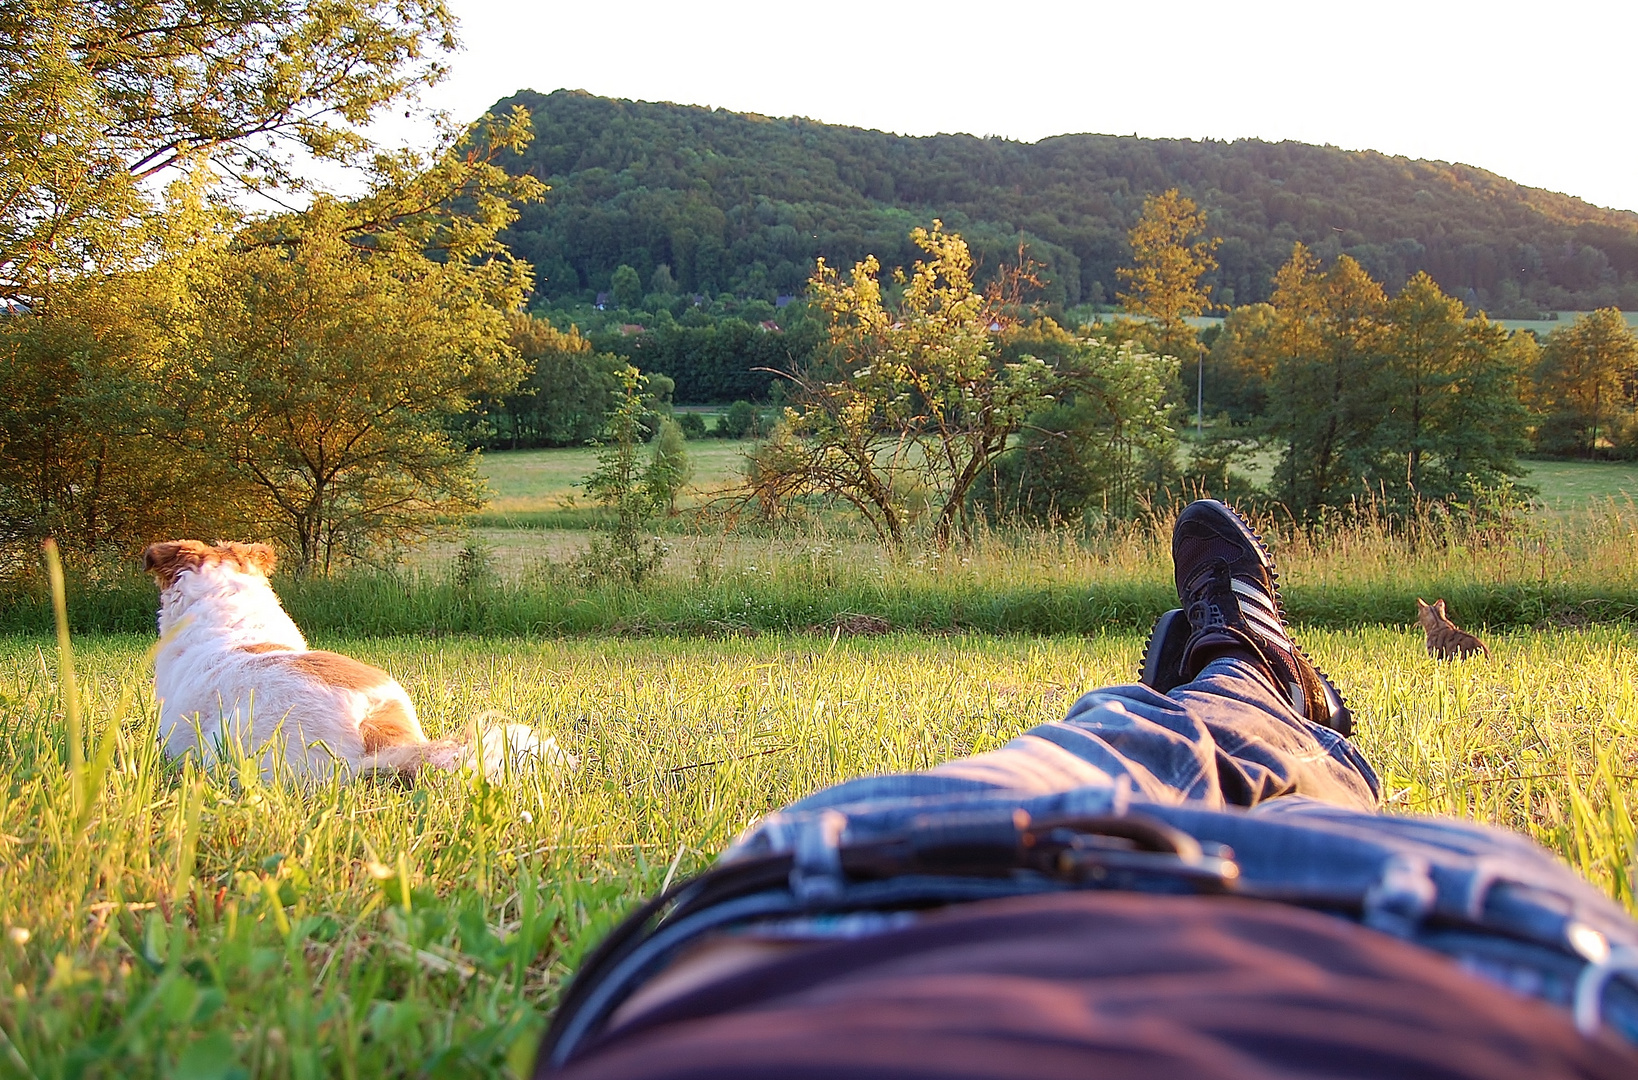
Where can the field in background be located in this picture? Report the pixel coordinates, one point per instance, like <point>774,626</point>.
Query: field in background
<point>163,922</point>
<point>1568,486</point>
<point>524,483</point>
<point>1555,570</point>
<point>527,484</point>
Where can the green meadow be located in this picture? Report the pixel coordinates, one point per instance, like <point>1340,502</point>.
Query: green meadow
<point>163,921</point>
<point>160,920</point>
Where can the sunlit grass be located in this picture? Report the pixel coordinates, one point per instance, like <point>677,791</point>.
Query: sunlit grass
<point>371,929</point>
<point>525,482</point>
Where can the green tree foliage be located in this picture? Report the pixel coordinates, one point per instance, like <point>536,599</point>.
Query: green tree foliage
<point>96,97</point>
<point>1323,406</point>
<point>1102,447</point>
<point>634,492</point>
<point>567,391</point>
<point>300,380</point>
<point>81,457</point>
<point>669,469</point>
<point>741,420</point>
<point>912,400</point>
<point>1396,400</point>
<point>1586,388</point>
<point>331,381</point>
<point>1450,386</point>
<point>692,425</point>
<point>626,286</point>
<point>744,204</point>
<point>721,359</point>
<point>1239,364</point>
<point>1168,263</point>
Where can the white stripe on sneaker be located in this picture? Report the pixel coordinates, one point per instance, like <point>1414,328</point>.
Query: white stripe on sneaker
<point>1252,592</point>
<point>1267,625</point>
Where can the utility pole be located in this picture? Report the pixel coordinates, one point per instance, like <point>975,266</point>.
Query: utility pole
<point>1199,389</point>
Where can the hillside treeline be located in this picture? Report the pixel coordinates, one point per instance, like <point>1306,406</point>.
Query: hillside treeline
<point>704,202</point>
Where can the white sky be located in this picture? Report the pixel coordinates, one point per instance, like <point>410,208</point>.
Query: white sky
<point>1543,93</point>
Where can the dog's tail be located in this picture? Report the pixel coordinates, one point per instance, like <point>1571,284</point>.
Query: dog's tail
<point>492,750</point>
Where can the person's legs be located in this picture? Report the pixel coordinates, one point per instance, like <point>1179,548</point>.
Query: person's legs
<point>1223,739</point>
<point>1233,712</point>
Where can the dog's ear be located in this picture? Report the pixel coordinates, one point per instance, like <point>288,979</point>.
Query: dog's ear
<point>1421,605</point>
<point>1439,606</point>
<point>168,558</point>
<point>262,557</point>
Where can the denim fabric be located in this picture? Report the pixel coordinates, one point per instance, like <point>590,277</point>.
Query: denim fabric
<point>1226,761</point>
<point>1223,740</point>
<point>1278,809</point>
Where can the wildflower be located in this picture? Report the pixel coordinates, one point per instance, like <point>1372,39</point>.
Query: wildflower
<point>18,935</point>
<point>527,817</point>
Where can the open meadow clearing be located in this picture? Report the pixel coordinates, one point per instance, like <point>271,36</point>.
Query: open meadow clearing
<point>164,922</point>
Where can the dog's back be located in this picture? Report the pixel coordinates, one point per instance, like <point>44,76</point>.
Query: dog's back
<point>235,678</point>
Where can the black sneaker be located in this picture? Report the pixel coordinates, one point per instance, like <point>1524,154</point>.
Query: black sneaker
<point>1229,588</point>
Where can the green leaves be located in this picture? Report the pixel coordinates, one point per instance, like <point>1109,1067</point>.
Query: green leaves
<point>95,97</point>
<point>1586,385</point>
<point>912,401</point>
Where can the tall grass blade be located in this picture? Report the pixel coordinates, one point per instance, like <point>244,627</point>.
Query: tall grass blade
<point>69,686</point>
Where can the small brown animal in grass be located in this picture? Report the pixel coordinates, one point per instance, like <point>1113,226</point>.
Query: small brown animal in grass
<point>1446,640</point>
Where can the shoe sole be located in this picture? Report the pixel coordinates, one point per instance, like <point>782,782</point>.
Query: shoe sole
<point>1163,652</point>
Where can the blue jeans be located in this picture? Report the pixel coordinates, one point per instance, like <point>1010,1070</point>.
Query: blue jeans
<point>1217,787</point>
<point>1295,807</point>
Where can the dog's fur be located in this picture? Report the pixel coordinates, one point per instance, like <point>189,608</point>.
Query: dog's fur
<point>234,676</point>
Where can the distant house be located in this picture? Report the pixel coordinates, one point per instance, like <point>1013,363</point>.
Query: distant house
<point>781,301</point>
<point>631,328</point>
<point>602,301</point>
<point>769,326</point>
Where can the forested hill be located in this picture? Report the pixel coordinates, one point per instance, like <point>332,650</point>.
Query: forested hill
<point>739,203</point>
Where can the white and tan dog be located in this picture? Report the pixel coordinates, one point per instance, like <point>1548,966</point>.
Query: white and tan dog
<point>234,676</point>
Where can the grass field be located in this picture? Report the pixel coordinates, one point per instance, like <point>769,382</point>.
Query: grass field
<point>1570,486</point>
<point>527,485</point>
<point>160,921</point>
<point>163,922</point>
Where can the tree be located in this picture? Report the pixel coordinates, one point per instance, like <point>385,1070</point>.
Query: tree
<point>567,390</point>
<point>626,286</point>
<point>1167,265</point>
<point>1451,408</point>
<point>1323,405</point>
<point>1240,363</point>
<point>909,397</point>
<point>80,457</point>
<point>1102,445</point>
<point>98,97</point>
<point>669,468</point>
<point>622,484</point>
<point>331,380</point>
<point>1586,385</point>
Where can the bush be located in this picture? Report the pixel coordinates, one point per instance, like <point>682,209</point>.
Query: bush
<point>692,424</point>
<point>741,421</point>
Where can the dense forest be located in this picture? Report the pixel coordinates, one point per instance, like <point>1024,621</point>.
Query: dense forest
<point>705,202</point>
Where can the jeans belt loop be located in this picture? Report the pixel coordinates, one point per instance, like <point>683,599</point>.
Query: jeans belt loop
<point>817,871</point>
<point>1401,897</point>
<point>1589,987</point>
